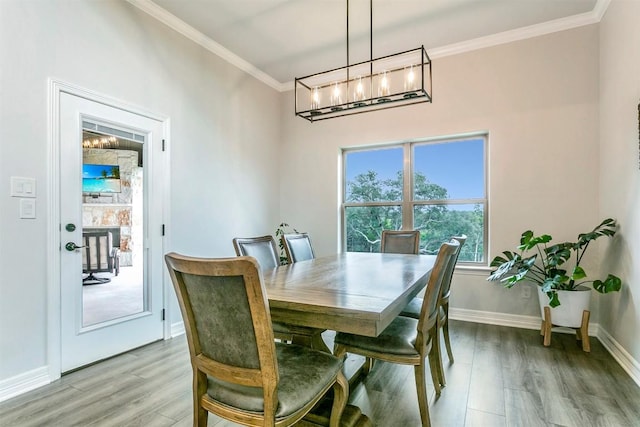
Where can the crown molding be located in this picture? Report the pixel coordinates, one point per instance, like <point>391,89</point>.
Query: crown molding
<point>562,24</point>
<point>554,26</point>
<point>196,36</point>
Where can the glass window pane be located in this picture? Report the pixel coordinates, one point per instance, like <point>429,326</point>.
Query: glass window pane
<point>364,225</point>
<point>438,223</point>
<point>374,175</point>
<point>450,170</point>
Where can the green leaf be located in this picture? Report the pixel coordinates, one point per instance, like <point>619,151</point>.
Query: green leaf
<point>553,298</point>
<point>578,273</point>
<point>611,283</point>
<point>528,241</point>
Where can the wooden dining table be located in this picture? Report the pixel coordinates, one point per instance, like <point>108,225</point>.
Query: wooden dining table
<point>354,292</point>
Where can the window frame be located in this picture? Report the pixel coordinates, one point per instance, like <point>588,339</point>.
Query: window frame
<point>408,204</point>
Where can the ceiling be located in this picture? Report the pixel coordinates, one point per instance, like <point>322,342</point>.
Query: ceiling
<point>278,40</point>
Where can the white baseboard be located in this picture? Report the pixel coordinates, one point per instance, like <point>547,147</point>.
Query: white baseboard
<point>622,356</point>
<point>177,329</point>
<point>23,383</point>
<point>491,318</point>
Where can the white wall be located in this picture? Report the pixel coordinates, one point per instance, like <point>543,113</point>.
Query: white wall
<point>223,141</point>
<point>619,166</point>
<point>538,100</point>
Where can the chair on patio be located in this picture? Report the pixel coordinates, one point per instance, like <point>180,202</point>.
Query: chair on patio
<point>99,256</point>
<point>239,372</point>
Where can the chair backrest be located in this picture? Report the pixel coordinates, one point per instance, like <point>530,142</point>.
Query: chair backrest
<point>97,251</point>
<point>228,324</point>
<point>444,260</point>
<point>262,248</point>
<point>446,284</point>
<point>297,247</point>
<point>400,242</point>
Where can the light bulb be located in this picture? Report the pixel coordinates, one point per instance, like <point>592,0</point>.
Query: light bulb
<point>383,87</point>
<point>410,79</point>
<point>336,96</point>
<point>315,99</point>
<point>358,94</point>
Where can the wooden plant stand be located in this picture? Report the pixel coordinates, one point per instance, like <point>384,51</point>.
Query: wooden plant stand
<point>582,333</point>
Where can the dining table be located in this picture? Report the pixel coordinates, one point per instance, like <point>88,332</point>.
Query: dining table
<point>353,292</point>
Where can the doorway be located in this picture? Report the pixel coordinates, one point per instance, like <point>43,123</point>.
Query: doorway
<point>110,210</point>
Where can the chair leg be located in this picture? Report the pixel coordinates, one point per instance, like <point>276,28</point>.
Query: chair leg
<point>437,349</point>
<point>445,332</point>
<point>340,396</point>
<point>435,371</point>
<point>200,415</point>
<point>368,366</point>
<point>421,388</point>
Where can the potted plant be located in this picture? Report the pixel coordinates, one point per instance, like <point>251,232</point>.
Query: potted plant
<point>548,266</point>
<point>282,229</point>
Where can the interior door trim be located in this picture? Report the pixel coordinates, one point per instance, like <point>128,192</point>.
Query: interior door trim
<point>53,273</point>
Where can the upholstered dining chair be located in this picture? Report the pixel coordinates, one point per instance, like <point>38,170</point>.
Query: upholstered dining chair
<point>413,308</point>
<point>400,241</point>
<point>239,372</point>
<point>406,340</point>
<point>396,242</point>
<point>263,249</point>
<point>297,247</point>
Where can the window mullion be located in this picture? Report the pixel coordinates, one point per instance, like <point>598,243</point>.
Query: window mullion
<point>407,189</point>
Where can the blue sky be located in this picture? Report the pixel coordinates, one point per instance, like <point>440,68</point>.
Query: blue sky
<point>456,166</point>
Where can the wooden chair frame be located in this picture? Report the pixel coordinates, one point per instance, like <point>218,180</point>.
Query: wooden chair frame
<point>411,236</point>
<point>267,376</point>
<point>286,243</point>
<point>426,344</point>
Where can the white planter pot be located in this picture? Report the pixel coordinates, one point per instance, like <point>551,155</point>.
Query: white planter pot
<point>572,304</point>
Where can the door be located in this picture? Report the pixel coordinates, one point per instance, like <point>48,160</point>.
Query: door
<point>111,204</point>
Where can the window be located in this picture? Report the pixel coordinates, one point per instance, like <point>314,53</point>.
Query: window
<point>435,186</point>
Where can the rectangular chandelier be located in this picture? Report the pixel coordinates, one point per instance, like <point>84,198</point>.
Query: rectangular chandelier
<point>390,81</point>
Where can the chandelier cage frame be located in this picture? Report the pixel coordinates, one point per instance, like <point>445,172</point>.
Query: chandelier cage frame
<point>389,81</point>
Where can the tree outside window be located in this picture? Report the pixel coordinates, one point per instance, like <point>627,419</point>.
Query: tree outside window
<point>446,195</point>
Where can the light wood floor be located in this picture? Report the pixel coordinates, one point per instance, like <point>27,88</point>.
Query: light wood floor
<point>501,377</point>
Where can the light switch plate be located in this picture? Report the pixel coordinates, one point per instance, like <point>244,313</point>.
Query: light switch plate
<point>23,187</point>
<point>27,208</point>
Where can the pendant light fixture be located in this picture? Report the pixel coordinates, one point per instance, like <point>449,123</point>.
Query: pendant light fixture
<point>403,78</point>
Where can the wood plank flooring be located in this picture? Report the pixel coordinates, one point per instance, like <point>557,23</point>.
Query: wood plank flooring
<point>501,377</point>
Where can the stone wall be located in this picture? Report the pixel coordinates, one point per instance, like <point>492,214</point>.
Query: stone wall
<point>122,209</point>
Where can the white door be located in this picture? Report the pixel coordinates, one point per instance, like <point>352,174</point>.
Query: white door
<point>111,204</point>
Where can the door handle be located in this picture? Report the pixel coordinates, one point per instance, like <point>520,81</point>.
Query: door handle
<point>70,246</point>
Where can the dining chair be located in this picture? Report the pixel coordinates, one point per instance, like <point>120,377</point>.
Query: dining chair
<point>263,249</point>
<point>413,308</point>
<point>406,340</point>
<point>297,247</point>
<point>239,372</point>
<point>400,241</point>
<point>396,242</point>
